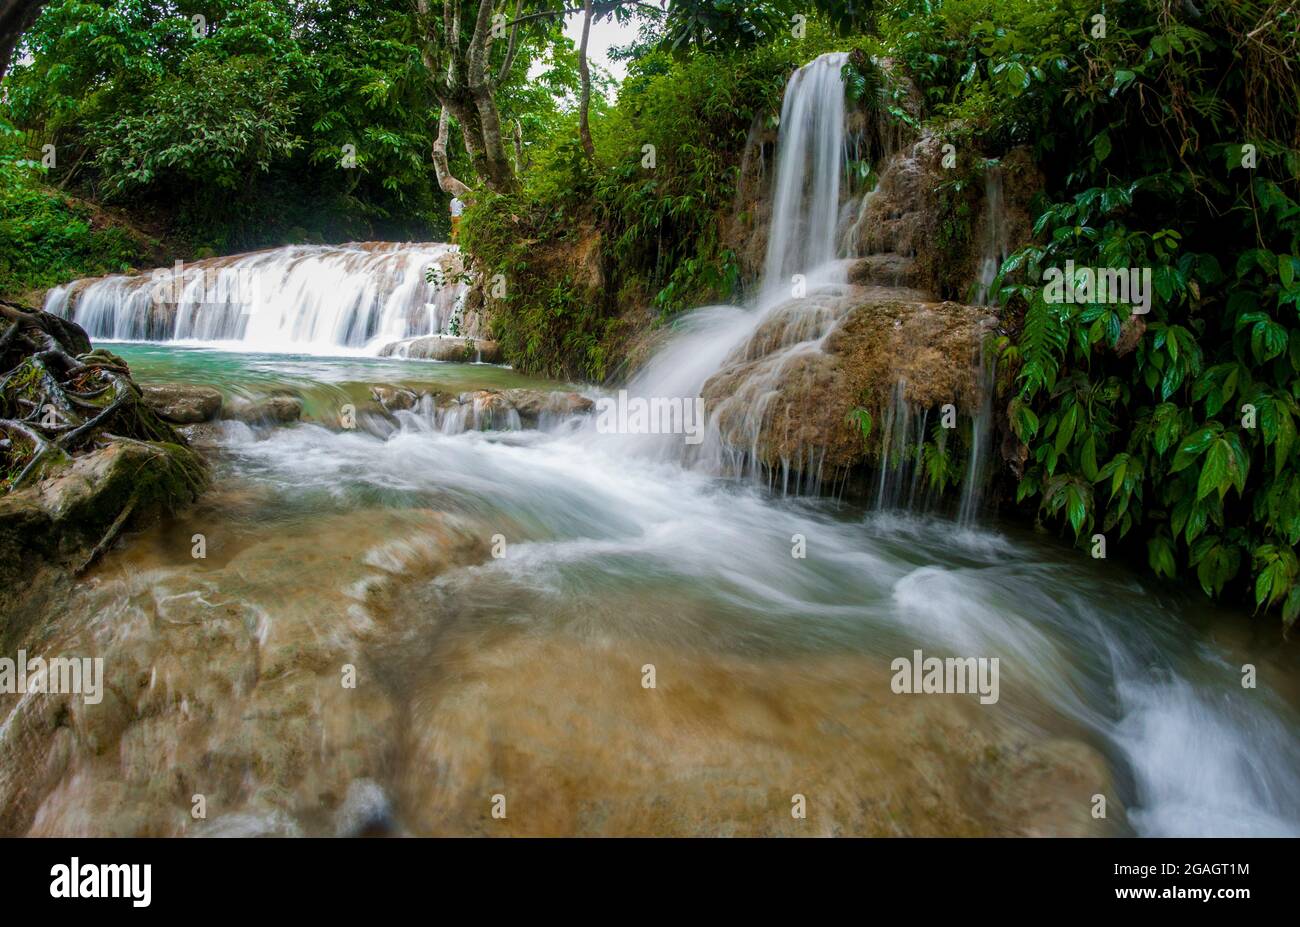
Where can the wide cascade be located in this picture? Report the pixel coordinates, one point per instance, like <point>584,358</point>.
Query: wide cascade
<point>315,299</point>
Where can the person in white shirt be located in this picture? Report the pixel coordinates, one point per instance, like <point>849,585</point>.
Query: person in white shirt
<point>457,207</point>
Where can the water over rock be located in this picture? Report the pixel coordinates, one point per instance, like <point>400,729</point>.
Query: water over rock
<point>785,396</point>
<point>483,409</point>
<point>273,410</point>
<point>302,298</point>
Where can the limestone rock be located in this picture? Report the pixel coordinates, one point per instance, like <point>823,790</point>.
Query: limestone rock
<point>787,394</point>
<point>183,404</point>
<point>273,410</point>
<point>394,398</point>
<point>445,348</point>
<point>533,404</point>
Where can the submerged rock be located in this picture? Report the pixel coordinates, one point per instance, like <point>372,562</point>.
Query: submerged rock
<point>273,410</point>
<point>445,348</point>
<point>182,403</point>
<point>219,681</point>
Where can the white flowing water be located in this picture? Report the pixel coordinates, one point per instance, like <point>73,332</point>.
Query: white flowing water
<point>302,299</point>
<point>810,156</point>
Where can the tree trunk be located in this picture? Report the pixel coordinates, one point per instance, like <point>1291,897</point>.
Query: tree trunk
<point>466,89</point>
<point>16,17</point>
<point>584,72</point>
<point>446,181</point>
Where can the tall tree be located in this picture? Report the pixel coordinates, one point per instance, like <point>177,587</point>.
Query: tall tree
<point>457,46</point>
<point>457,50</point>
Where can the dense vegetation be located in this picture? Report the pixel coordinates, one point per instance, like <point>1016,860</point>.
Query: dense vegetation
<point>230,125</point>
<point>1171,144</point>
<point>645,212</point>
<point>1168,135</point>
<point>1170,139</point>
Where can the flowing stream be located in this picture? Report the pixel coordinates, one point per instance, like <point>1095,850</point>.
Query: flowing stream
<point>596,633</point>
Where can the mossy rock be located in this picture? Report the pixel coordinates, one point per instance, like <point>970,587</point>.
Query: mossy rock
<point>62,518</point>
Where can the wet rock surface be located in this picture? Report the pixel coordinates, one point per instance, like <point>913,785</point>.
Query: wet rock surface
<point>83,455</point>
<point>362,674</point>
<point>445,348</point>
<point>484,409</point>
<point>183,404</point>
<point>786,395</point>
<point>273,410</point>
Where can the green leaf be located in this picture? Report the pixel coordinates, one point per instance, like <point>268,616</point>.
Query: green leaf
<point>1214,472</point>
<point>1065,431</point>
<point>1160,555</point>
<point>1076,507</point>
<point>1101,145</point>
<point>1194,446</point>
<point>1088,458</point>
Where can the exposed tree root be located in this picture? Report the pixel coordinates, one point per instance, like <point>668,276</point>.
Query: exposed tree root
<point>57,395</point>
<point>109,536</point>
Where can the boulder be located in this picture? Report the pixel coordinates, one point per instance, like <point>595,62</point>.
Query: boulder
<point>786,395</point>
<point>68,515</point>
<point>183,404</point>
<point>83,456</point>
<point>533,404</point>
<point>886,269</point>
<point>445,348</point>
<point>395,398</point>
<point>273,410</point>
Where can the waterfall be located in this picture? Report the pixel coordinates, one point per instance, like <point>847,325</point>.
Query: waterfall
<point>981,431</point>
<point>314,299</point>
<point>810,156</point>
<point>995,251</point>
<point>763,369</point>
<point>995,245</point>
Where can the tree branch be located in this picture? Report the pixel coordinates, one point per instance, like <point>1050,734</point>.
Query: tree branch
<point>599,9</point>
<point>511,48</point>
<point>442,170</point>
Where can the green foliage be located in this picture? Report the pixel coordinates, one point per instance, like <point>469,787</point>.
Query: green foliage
<point>713,25</point>
<point>234,134</point>
<point>651,233</point>
<point>1174,430</point>
<point>547,321</point>
<point>46,237</point>
<point>663,222</point>
<point>217,123</point>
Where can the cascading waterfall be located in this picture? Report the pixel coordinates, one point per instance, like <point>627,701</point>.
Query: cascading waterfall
<point>810,158</point>
<point>810,236</point>
<point>995,251</point>
<point>313,299</point>
<point>995,245</point>
<point>806,198</point>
